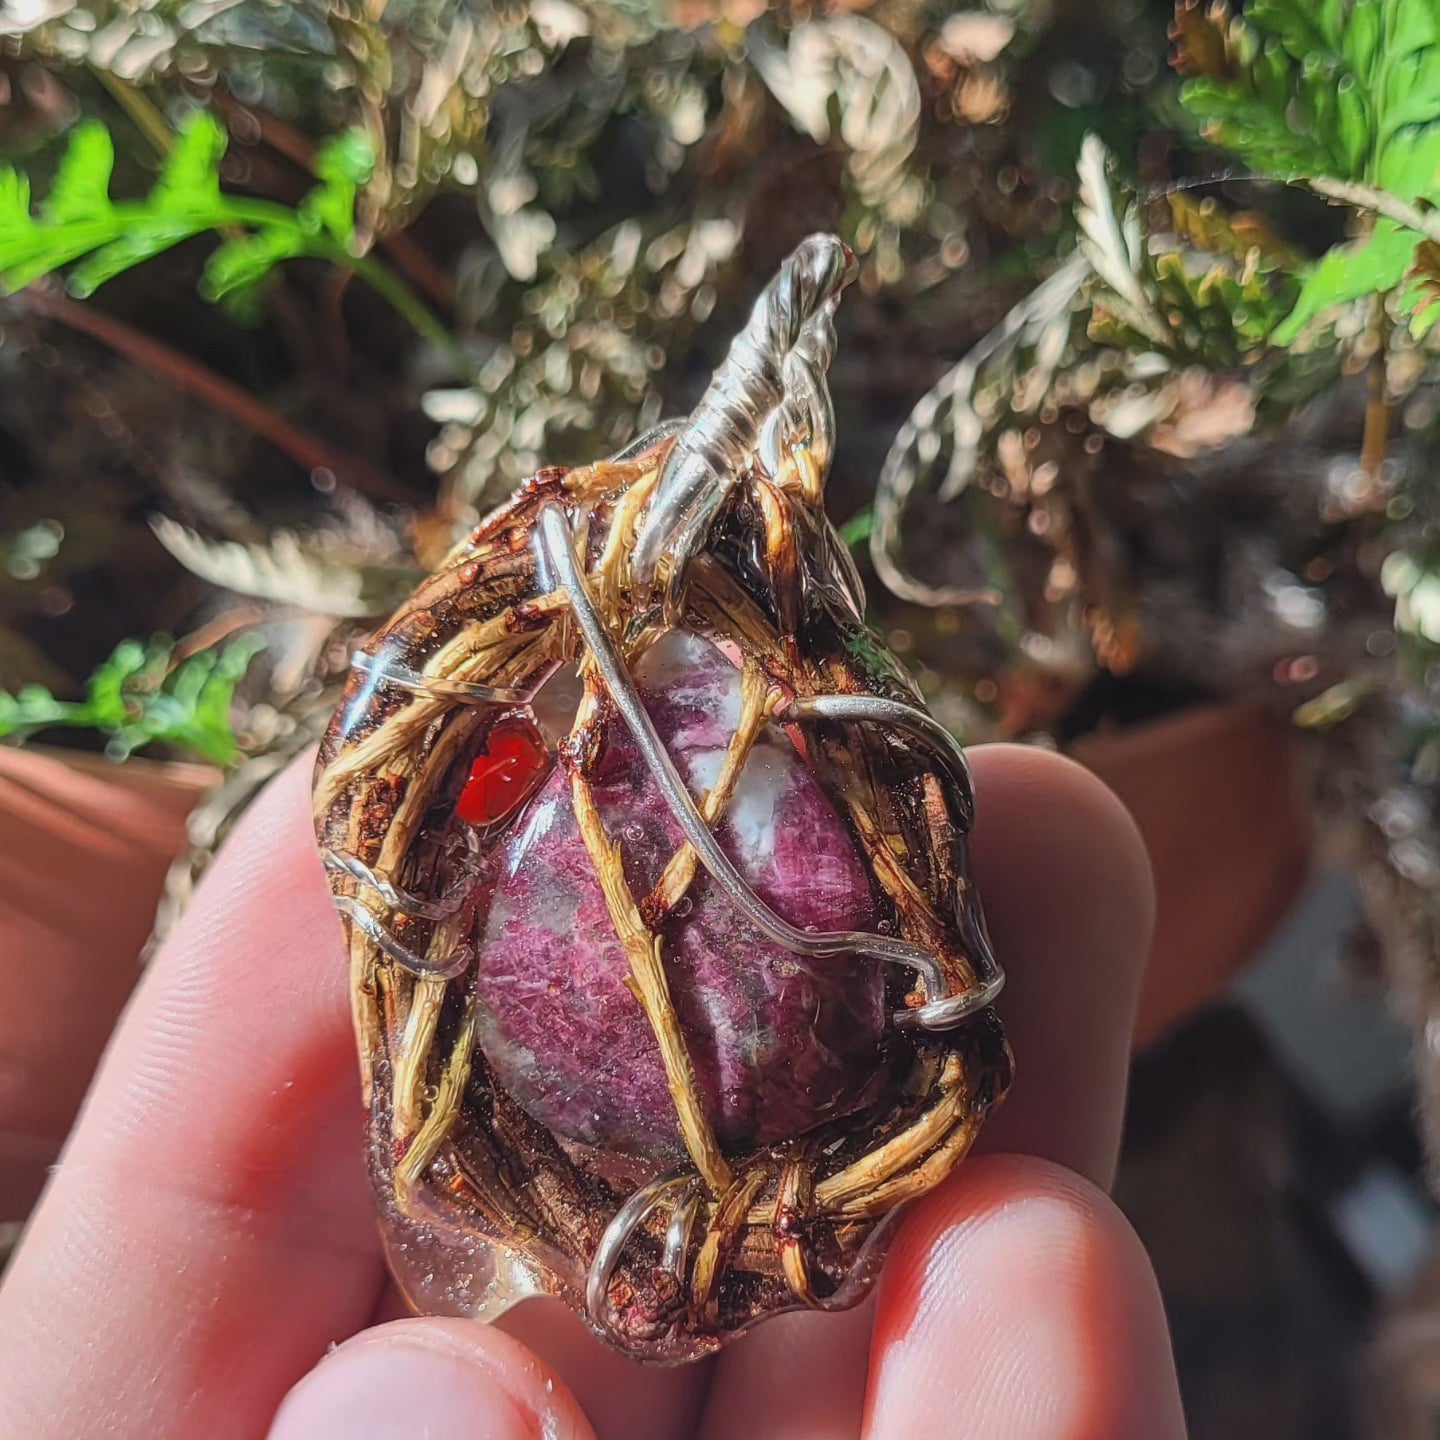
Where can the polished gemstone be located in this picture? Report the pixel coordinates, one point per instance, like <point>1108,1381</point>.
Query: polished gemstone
<point>504,774</point>
<point>778,1043</point>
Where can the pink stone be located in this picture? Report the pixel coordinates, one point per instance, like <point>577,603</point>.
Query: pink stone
<point>779,1043</point>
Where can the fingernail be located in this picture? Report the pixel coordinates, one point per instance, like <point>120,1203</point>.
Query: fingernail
<point>388,1390</point>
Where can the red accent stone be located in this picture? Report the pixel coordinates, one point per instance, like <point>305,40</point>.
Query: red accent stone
<point>504,774</point>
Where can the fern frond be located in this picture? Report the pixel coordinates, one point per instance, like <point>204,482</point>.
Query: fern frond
<point>139,697</point>
<point>80,225</point>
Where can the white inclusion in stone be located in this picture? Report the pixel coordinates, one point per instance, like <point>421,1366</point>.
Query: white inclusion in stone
<point>537,822</point>
<point>753,811</point>
<point>684,667</point>
<point>692,674</point>
<point>702,769</point>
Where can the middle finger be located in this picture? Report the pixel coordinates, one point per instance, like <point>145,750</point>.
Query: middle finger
<point>1075,951</point>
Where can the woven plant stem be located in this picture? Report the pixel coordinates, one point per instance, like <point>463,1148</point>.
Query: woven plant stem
<point>648,980</point>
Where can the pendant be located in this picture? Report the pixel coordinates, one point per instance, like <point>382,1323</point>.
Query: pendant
<point>670,984</point>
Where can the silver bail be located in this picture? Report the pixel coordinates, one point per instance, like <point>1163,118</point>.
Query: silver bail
<point>771,391</point>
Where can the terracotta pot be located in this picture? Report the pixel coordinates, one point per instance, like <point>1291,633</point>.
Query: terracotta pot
<point>1216,794</point>
<point>84,846</point>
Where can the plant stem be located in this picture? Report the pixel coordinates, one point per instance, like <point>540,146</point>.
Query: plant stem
<point>189,375</point>
<point>152,124</point>
<point>1377,410</point>
<point>404,253</point>
<point>222,627</point>
<point>406,303</point>
<point>136,104</point>
<point>385,283</point>
<point>1376,201</point>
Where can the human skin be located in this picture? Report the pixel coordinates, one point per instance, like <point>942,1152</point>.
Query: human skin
<point>209,1235</point>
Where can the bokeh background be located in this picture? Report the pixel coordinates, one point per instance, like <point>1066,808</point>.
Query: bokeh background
<point>295,291</point>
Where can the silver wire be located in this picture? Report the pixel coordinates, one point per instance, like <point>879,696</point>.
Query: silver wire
<point>947,1013</point>
<point>771,390</point>
<point>945,749</point>
<point>559,562</point>
<point>653,436</point>
<point>937,740</point>
<point>680,1229</point>
<point>393,895</point>
<point>453,964</point>
<point>387,668</point>
<point>617,1235</point>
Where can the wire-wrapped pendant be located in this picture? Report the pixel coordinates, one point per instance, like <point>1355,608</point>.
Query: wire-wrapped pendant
<point>669,981</point>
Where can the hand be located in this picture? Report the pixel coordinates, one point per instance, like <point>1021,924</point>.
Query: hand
<point>209,1232</point>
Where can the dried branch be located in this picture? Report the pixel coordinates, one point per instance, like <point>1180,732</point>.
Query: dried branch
<point>152,355</point>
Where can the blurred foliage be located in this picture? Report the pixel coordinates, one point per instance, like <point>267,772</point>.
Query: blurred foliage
<point>144,694</point>
<point>79,222</point>
<point>572,204</point>
<point>1341,91</point>
<point>1346,88</point>
<point>1189,325</point>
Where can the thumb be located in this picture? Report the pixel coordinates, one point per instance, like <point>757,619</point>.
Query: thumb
<point>457,1378</point>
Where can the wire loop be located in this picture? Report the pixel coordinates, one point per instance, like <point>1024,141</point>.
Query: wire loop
<point>770,393</point>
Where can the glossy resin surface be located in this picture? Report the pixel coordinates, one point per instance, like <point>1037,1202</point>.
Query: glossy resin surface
<point>670,985</point>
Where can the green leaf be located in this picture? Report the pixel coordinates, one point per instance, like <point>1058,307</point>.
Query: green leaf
<point>1347,273</point>
<point>137,697</point>
<point>1423,319</point>
<point>81,190</point>
<point>190,174</point>
<point>1222,315</point>
<point>856,530</point>
<point>80,220</point>
<point>124,254</point>
<point>1304,27</point>
<point>347,156</point>
<point>1361,38</point>
<point>1350,123</point>
<point>1410,165</point>
<point>81,225</point>
<point>38,252</point>
<point>239,265</point>
<point>1348,89</point>
<point>14,202</point>
<point>1419,298</point>
<point>344,163</point>
<point>104,703</point>
<point>1267,112</point>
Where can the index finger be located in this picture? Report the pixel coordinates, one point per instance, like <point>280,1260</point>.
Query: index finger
<point>216,1166</point>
